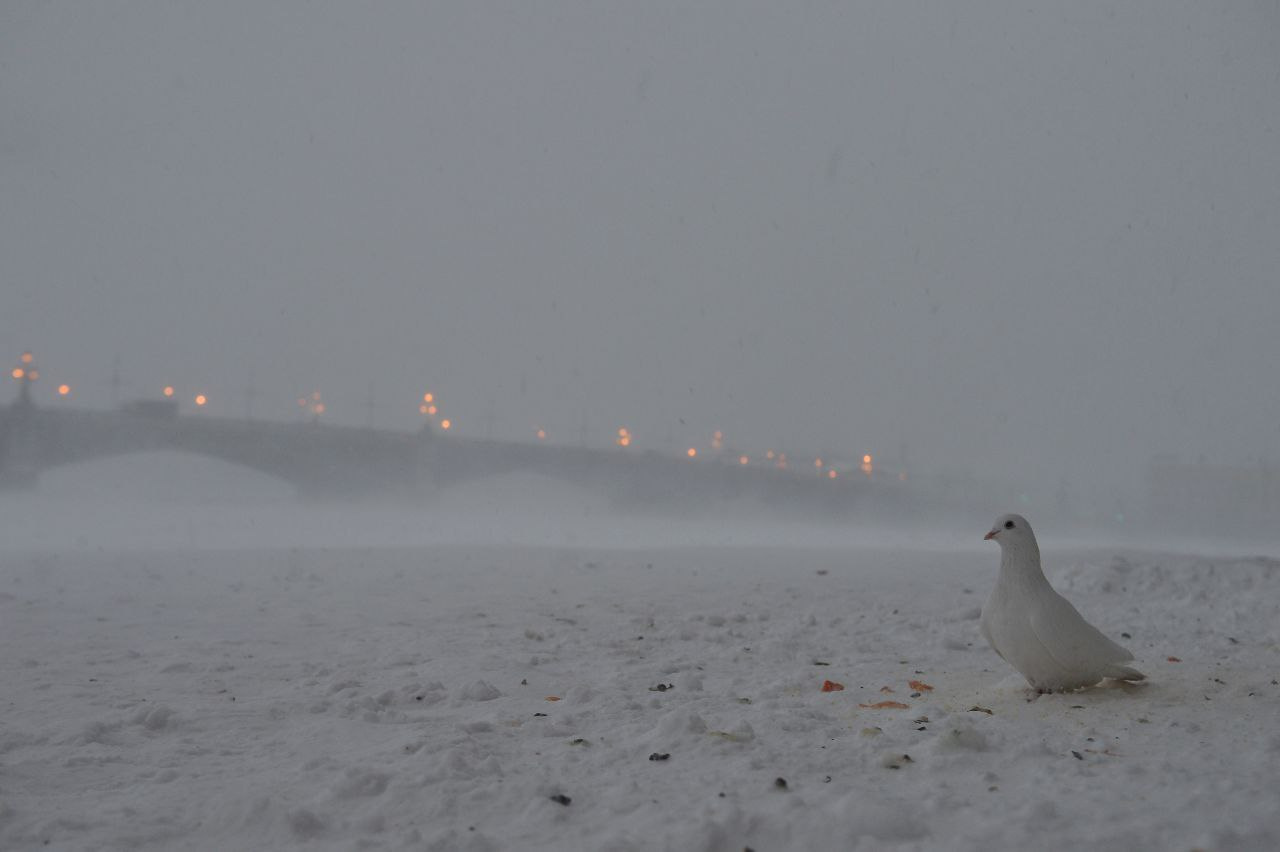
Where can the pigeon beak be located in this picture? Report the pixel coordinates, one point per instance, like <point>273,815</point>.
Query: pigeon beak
<point>990,535</point>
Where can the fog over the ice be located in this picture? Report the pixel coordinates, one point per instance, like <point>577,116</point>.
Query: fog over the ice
<point>1037,243</point>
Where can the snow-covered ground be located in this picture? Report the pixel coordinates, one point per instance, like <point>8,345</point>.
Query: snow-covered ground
<point>248,675</point>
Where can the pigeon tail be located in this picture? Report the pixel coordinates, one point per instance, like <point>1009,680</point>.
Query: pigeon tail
<point>1124,673</point>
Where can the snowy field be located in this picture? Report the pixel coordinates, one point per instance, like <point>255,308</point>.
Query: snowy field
<point>245,674</point>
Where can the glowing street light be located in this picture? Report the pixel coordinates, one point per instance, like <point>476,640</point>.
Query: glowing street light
<point>691,453</point>
<point>817,462</point>
<point>624,437</point>
<point>831,474</point>
<point>64,390</point>
<point>446,425</point>
<point>542,434</point>
<point>312,404</point>
<point>18,373</point>
<point>717,440</point>
<point>27,357</point>
<point>743,460</point>
<point>866,464</point>
<point>201,400</point>
<point>428,406</point>
<point>168,391</point>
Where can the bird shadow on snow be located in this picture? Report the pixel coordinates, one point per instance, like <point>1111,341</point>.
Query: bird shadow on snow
<point>1012,691</point>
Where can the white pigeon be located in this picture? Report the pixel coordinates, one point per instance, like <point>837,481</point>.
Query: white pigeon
<point>1036,630</point>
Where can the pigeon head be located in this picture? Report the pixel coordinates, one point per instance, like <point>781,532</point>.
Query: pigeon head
<point>1011,531</point>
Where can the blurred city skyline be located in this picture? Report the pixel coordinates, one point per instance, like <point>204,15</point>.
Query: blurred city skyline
<point>1030,243</point>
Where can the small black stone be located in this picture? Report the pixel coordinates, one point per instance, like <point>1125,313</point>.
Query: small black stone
<point>1077,755</point>
<point>780,783</point>
<point>561,799</point>
<point>1125,636</point>
<point>655,756</point>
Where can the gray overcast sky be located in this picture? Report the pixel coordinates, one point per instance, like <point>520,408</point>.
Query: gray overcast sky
<point>1033,239</point>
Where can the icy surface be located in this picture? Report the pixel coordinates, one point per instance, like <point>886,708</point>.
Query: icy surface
<point>523,697</point>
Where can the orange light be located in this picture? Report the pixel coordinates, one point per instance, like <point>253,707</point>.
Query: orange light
<point>622,433</point>
<point>691,452</point>
<point>542,434</point>
<point>422,409</point>
<point>624,441</point>
<point>428,397</point>
<point>319,409</point>
<point>831,474</point>
<point>33,374</point>
<point>168,390</point>
<point>718,435</point>
<point>446,425</point>
<point>743,459</point>
<point>817,462</point>
<point>27,357</point>
<point>18,372</point>
<point>431,409</point>
<point>866,459</point>
<point>769,455</point>
<point>63,390</point>
<point>201,399</point>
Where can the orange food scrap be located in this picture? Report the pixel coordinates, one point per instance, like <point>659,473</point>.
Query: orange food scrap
<point>832,686</point>
<point>886,705</point>
<point>886,690</point>
<point>1173,660</point>
<point>553,697</point>
<point>919,686</point>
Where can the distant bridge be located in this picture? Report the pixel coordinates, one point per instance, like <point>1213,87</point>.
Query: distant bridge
<point>322,460</point>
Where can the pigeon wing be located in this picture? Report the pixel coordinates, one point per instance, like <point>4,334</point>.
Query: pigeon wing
<point>1072,642</point>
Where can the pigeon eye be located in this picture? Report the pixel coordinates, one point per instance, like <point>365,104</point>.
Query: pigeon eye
<point>1008,525</point>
